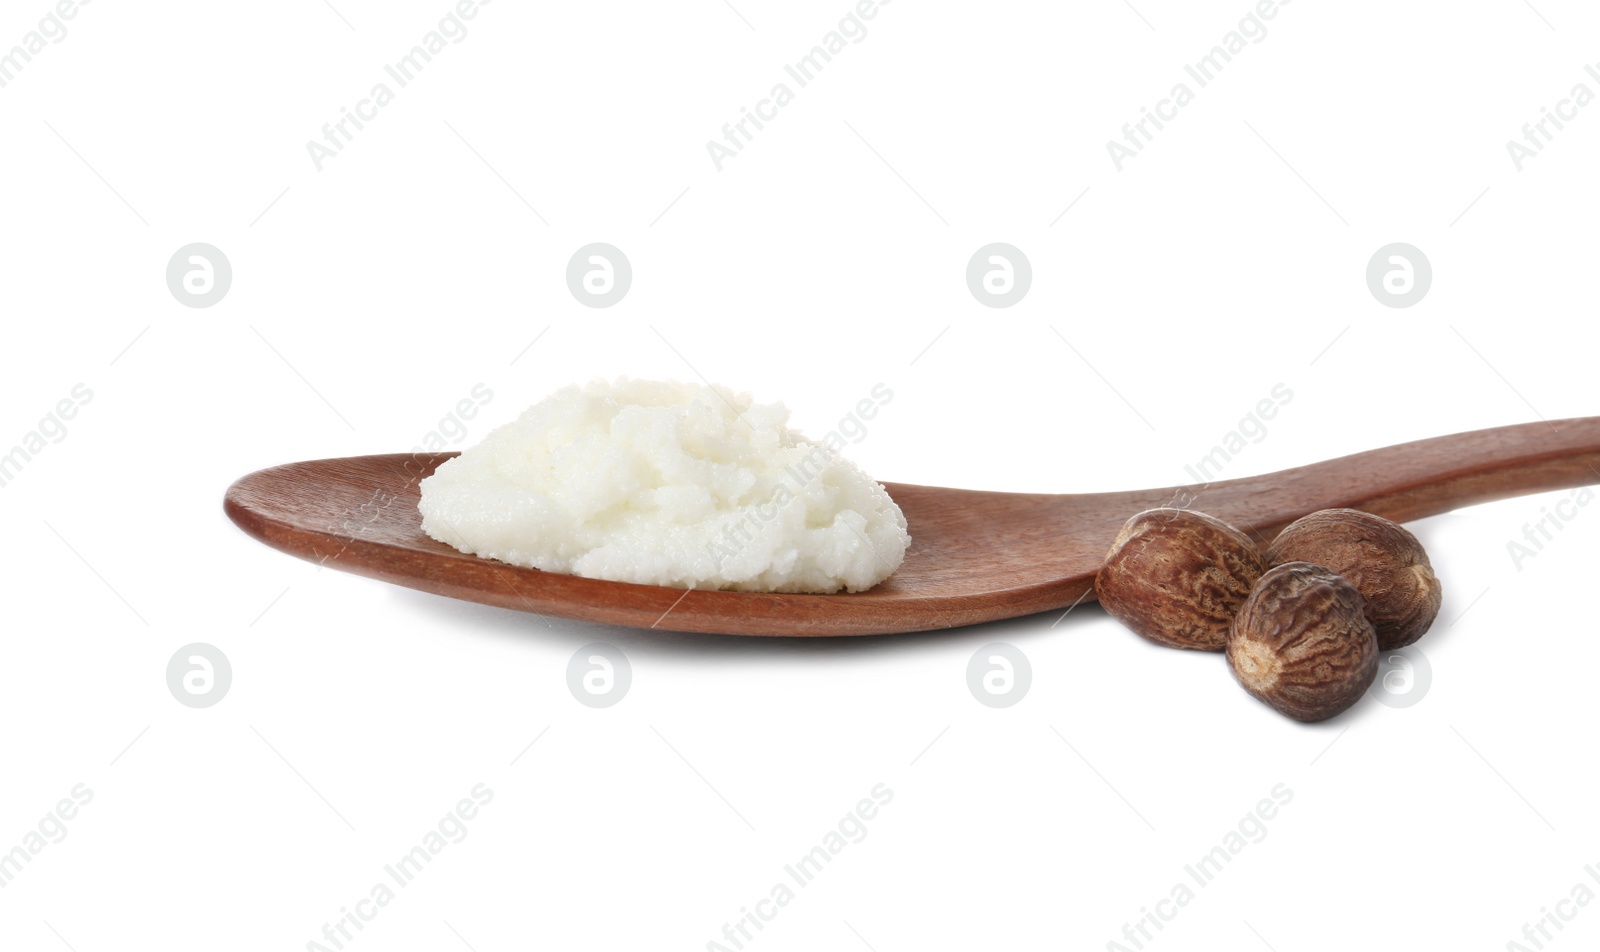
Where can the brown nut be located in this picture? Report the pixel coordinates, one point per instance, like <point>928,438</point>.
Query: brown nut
<point>1302,644</point>
<point>1178,577</point>
<point>1380,558</point>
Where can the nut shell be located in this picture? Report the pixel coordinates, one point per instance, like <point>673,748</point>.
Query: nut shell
<point>1302,644</point>
<point>1178,577</point>
<point>1382,559</point>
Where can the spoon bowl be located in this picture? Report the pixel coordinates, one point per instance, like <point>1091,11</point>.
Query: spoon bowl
<point>975,556</point>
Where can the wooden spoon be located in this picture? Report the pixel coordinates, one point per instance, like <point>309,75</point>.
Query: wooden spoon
<point>975,556</point>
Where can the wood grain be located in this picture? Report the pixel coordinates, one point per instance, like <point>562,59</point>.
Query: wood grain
<point>975,556</point>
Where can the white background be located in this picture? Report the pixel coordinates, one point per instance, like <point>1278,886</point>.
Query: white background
<point>828,256</point>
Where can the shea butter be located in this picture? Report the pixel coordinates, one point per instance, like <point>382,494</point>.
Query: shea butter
<point>673,484</point>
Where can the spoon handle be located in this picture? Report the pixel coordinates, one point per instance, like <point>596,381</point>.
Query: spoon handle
<point>1414,480</point>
